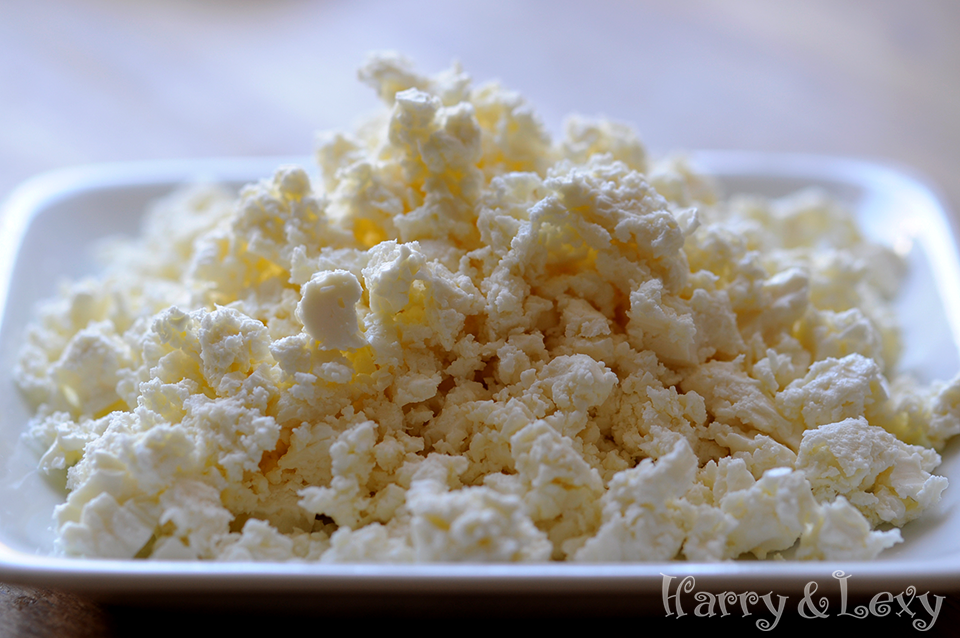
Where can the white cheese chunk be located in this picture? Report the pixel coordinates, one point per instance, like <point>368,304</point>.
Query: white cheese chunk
<point>328,310</point>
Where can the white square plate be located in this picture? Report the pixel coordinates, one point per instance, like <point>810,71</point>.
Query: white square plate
<point>48,226</point>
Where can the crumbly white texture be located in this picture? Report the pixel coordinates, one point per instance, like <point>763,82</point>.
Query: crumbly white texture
<point>467,342</point>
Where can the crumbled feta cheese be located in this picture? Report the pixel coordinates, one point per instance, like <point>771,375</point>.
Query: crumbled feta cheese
<point>886,479</point>
<point>468,342</point>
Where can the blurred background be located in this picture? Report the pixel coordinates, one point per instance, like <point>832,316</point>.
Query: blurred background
<point>113,80</point>
<point>85,81</point>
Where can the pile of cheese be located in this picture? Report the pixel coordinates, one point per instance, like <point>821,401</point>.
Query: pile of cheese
<point>463,341</point>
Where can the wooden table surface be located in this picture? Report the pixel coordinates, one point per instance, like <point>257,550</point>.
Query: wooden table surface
<point>110,80</point>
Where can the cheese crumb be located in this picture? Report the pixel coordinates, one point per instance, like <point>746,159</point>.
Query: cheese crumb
<point>328,310</point>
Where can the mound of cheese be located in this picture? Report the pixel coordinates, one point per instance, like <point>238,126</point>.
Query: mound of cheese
<point>464,341</point>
